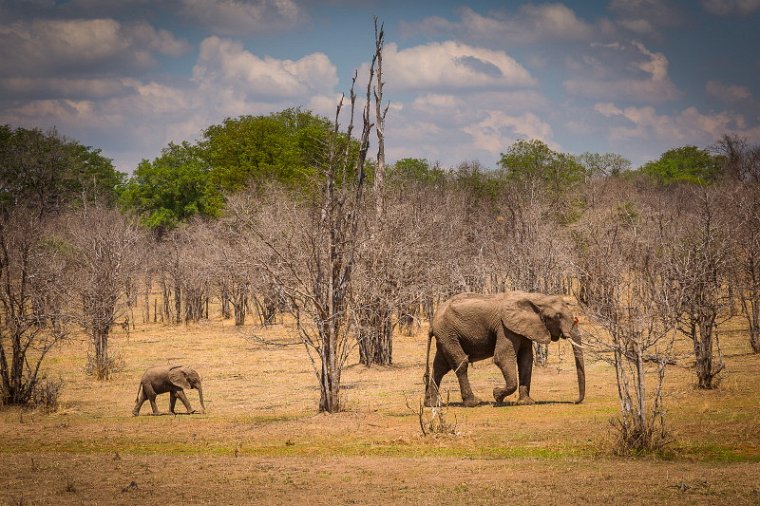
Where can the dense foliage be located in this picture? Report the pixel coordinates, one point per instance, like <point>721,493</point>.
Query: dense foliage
<point>172,188</point>
<point>287,147</point>
<point>46,171</point>
<point>187,180</point>
<point>687,164</point>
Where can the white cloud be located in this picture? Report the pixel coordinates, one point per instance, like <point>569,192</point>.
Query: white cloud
<point>687,126</point>
<point>656,66</point>
<point>530,24</point>
<point>640,26</point>
<point>47,47</point>
<point>63,87</point>
<point>728,92</point>
<point>451,65</point>
<point>498,130</point>
<point>595,79</point>
<point>554,20</point>
<point>607,109</point>
<point>238,17</point>
<point>475,125</point>
<point>644,17</point>
<point>731,7</point>
<point>224,65</point>
<point>228,81</point>
<point>436,102</point>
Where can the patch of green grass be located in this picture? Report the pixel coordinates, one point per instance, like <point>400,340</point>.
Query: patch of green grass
<point>710,452</point>
<point>451,448</point>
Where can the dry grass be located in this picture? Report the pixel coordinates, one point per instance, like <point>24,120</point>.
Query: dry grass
<point>261,440</point>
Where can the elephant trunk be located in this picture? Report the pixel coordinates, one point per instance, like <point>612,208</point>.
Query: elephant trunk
<point>579,365</point>
<point>200,396</point>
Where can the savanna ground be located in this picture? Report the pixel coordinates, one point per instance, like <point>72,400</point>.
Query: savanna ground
<point>262,442</point>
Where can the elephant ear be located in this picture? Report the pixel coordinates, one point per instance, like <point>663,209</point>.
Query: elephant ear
<point>520,315</point>
<point>178,378</point>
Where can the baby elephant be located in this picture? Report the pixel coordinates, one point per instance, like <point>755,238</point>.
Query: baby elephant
<point>173,379</point>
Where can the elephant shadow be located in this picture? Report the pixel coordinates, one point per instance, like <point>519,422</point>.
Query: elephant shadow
<point>461,404</point>
<point>515,403</point>
<point>503,404</point>
<point>178,413</point>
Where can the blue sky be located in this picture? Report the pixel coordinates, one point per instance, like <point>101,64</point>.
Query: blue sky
<point>464,79</point>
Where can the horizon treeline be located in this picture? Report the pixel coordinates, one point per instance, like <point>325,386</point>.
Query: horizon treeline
<point>237,219</point>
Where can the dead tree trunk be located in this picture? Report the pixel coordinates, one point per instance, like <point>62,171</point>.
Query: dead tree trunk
<point>376,328</point>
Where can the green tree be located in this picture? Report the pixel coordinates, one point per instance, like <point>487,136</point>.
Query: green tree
<point>414,170</point>
<point>45,171</point>
<point>287,147</point>
<point>172,188</point>
<point>687,164</point>
<point>534,164</point>
<point>482,184</point>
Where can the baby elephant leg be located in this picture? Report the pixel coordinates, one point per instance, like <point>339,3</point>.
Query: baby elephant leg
<point>183,398</point>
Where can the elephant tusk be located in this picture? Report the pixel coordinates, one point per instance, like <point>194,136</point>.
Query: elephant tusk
<point>576,344</point>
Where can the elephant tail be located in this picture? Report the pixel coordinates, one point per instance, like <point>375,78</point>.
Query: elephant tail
<point>426,378</point>
<point>139,389</point>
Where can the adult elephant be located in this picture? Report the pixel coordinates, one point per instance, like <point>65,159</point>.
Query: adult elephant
<point>173,379</point>
<point>470,327</point>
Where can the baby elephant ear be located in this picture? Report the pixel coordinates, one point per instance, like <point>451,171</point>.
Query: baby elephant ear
<point>178,378</point>
<point>522,316</point>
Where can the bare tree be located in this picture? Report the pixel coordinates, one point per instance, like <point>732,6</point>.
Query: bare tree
<point>309,250</point>
<point>631,299</point>
<point>699,263</point>
<point>171,269</point>
<point>231,272</point>
<point>376,301</point>
<point>741,167</point>
<point>106,259</point>
<point>747,260</point>
<point>741,160</point>
<point>33,310</point>
<point>196,259</point>
<point>380,114</point>
<point>387,281</point>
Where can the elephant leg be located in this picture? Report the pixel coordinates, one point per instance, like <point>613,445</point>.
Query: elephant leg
<point>172,400</point>
<point>525,367</point>
<point>146,393</point>
<point>440,368</point>
<point>183,398</point>
<point>458,361</point>
<point>153,404</point>
<point>138,403</point>
<point>468,398</point>
<point>505,359</point>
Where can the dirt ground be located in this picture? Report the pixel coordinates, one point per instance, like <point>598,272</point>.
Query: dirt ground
<point>262,441</point>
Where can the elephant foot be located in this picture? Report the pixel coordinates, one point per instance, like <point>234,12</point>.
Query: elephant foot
<point>524,397</point>
<point>499,394</point>
<point>471,402</point>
